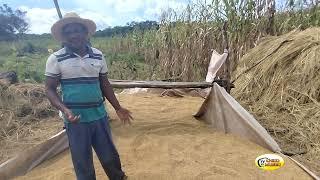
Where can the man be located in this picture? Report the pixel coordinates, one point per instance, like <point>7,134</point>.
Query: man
<point>82,72</point>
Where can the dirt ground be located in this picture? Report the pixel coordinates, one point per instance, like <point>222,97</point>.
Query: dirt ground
<point>166,142</point>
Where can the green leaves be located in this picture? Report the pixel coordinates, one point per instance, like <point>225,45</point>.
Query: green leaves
<point>11,23</point>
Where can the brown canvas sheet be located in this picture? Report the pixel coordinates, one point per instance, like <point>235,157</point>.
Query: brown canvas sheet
<point>221,111</point>
<point>27,160</point>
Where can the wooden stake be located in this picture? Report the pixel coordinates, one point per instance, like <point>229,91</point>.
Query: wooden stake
<point>226,67</point>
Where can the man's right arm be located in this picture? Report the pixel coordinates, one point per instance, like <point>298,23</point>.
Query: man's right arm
<point>51,85</point>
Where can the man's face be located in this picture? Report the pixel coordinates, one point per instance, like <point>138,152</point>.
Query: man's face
<point>76,35</point>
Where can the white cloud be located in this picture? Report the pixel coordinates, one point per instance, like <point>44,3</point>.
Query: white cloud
<point>147,6</point>
<point>128,6</point>
<point>138,19</point>
<point>41,20</point>
<point>117,6</point>
<point>150,8</point>
<point>105,13</point>
<point>160,6</point>
<point>102,21</point>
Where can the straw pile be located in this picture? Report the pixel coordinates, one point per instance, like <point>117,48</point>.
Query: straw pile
<point>25,102</point>
<point>23,107</point>
<point>279,82</point>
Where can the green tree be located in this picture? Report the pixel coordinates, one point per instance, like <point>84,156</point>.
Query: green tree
<point>129,28</point>
<point>11,22</point>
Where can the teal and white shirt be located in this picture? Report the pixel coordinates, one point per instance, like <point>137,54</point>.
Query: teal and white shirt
<point>79,79</point>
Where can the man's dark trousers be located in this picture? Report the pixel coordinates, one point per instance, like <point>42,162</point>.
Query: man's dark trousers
<point>82,137</point>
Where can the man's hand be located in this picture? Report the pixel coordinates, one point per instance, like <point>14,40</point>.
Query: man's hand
<point>124,115</point>
<point>69,115</point>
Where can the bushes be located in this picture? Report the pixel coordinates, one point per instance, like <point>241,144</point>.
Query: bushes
<point>28,68</point>
<point>27,47</point>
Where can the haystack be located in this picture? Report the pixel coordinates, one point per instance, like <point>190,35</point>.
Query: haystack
<point>24,108</point>
<point>279,82</point>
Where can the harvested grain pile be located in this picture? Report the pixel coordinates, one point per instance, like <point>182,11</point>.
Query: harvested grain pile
<point>279,82</point>
<point>166,142</point>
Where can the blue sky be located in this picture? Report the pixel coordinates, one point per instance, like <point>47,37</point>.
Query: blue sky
<point>41,14</point>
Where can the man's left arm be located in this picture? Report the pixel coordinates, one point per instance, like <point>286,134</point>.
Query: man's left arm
<point>107,91</point>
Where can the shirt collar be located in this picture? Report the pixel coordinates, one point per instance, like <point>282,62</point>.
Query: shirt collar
<point>89,50</point>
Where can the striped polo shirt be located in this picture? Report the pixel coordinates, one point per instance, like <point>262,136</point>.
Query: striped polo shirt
<point>79,80</point>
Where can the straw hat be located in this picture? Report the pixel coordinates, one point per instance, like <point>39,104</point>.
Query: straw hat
<point>56,29</point>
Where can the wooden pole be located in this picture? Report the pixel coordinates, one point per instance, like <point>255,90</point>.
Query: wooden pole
<point>227,68</point>
<point>158,84</point>
<point>57,8</point>
<point>271,10</point>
